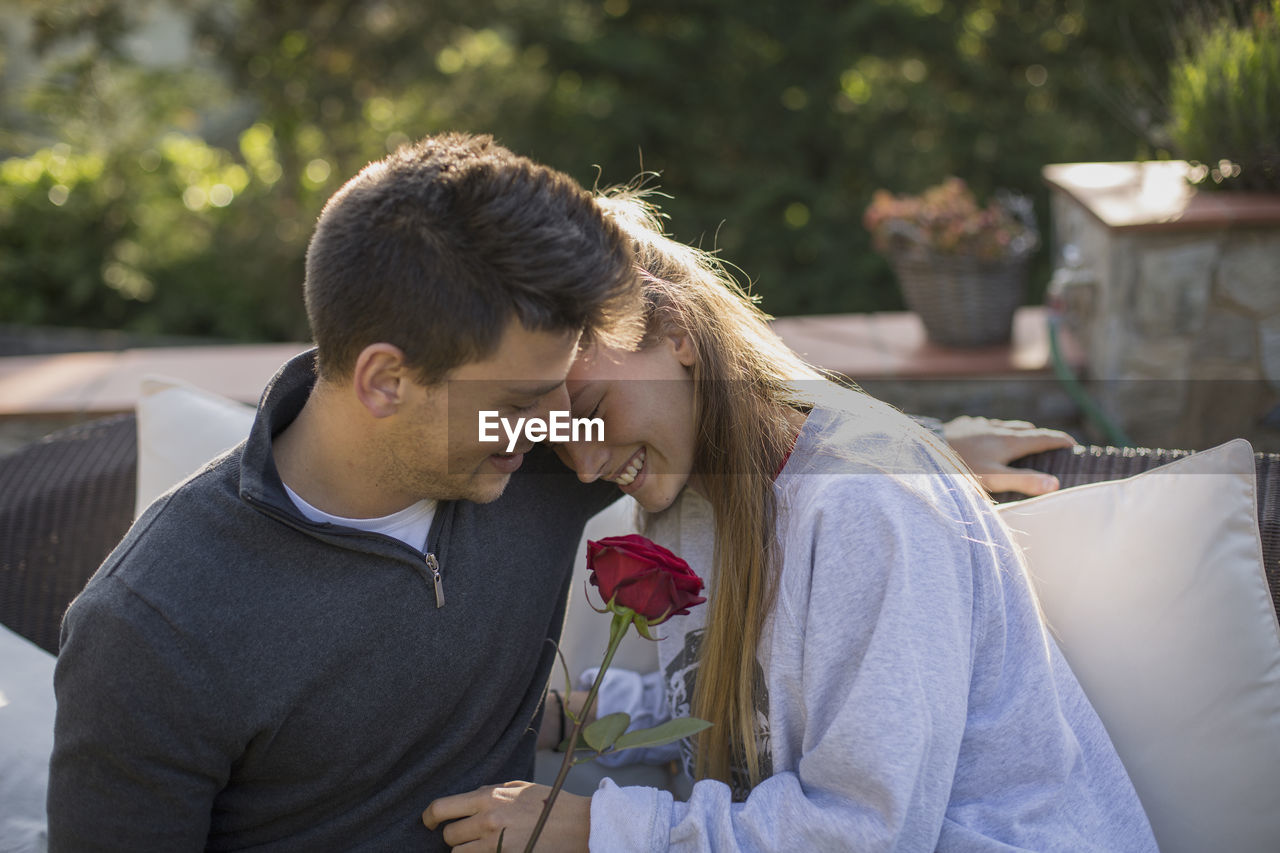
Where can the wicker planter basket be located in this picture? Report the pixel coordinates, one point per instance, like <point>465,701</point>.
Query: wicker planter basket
<point>963,301</point>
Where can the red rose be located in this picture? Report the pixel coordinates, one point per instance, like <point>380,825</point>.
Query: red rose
<point>644,576</point>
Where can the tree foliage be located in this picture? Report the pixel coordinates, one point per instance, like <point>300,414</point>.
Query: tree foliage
<point>1224,101</point>
<point>180,199</point>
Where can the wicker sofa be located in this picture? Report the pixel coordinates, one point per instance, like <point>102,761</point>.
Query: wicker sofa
<point>66,500</point>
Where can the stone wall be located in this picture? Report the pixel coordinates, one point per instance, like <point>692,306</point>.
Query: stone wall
<point>1180,319</point>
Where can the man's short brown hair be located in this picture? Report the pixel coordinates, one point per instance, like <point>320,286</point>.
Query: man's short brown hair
<point>435,248</point>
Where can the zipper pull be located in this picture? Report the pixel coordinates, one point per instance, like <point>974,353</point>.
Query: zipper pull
<point>434,566</point>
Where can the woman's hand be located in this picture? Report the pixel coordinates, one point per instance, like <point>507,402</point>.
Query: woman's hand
<point>987,445</point>
<point>481,815</point>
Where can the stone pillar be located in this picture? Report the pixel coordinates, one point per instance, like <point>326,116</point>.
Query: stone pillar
<point>1175,297</point>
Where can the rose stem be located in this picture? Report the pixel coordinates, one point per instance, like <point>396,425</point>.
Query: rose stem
<point>617,630</point>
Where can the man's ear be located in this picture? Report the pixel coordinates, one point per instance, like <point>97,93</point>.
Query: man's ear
<point>380,378</point>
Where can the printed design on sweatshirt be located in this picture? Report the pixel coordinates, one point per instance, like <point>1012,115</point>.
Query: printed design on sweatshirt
<point>681,676</point>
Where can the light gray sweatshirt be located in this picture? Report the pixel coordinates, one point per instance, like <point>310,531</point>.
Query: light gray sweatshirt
<point>914,701</point>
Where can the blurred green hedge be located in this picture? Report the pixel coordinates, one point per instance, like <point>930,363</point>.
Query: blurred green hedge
<point>179,199</point>
<point>1224,101</point>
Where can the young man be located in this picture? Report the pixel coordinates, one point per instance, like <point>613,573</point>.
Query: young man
<point>346,617</point>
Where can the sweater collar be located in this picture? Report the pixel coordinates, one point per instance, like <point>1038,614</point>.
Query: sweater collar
<point>281,403</point>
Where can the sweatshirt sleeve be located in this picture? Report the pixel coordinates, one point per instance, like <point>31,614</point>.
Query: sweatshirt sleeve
<point>126,775</point>
<point>878,593</point>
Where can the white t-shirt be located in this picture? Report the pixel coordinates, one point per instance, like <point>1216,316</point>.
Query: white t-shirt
<point>410,525</point>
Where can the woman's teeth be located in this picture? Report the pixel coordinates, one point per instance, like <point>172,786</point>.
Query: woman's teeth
<point>627,477</point>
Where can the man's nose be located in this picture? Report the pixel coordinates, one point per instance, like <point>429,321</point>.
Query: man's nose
<point>589,459</point>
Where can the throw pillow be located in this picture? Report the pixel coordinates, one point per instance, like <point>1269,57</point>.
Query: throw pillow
<point>1155,590</point>
<point>180,428</point>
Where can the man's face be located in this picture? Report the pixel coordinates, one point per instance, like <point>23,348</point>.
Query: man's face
<point>437,446</point>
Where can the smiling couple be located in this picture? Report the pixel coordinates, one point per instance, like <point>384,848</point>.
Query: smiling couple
<point>343,621</point>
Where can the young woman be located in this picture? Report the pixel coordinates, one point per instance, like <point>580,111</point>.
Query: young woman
<point>871,654</point>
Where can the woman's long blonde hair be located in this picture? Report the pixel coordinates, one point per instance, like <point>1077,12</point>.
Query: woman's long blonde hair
<point>746,379</point>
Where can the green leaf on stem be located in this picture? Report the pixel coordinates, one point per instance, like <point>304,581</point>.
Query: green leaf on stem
<point>668,732</point>
<point>580,749</point>
<point>584,756</point>
<point>601,734</point>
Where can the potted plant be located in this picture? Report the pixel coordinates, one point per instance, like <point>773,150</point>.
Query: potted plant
<point>961,267</point>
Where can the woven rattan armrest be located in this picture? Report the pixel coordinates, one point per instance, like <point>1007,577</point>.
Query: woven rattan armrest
<point>65,502</point>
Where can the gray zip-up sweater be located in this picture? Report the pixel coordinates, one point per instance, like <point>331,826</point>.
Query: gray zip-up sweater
<point>237,677</point>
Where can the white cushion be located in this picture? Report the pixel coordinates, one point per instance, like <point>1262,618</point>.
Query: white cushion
<point>180,428</point>
<point>1154,587</point>
<point>26,741</point>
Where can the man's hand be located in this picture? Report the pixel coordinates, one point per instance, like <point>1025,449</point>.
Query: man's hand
<point>987,446</point>
<point>510,810</point>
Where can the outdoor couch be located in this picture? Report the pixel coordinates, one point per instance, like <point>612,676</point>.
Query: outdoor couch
<point>66,500</point>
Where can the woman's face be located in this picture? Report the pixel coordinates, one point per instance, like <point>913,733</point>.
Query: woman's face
<point>646,401</point>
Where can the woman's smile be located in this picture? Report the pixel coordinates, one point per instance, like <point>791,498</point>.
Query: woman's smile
<point>631,471</point>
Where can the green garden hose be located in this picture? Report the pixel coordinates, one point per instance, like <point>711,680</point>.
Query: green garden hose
<point>1114,433</point>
